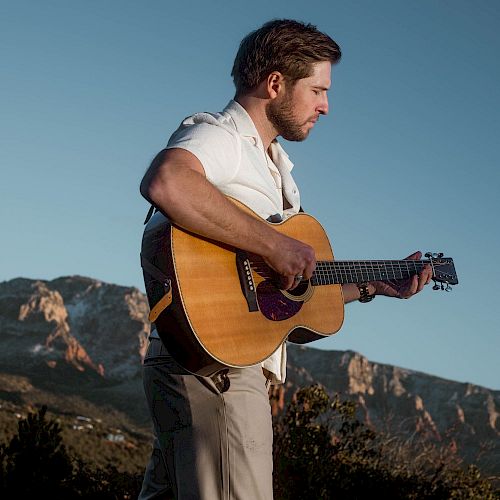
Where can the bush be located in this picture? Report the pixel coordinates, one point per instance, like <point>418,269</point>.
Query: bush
<point>321,451</point>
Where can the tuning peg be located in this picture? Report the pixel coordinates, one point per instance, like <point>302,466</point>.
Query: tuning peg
<point>436,286</point>
<point>434,255</point>
<point>448,288</point>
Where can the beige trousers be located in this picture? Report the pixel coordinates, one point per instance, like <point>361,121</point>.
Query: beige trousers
<point>208,445</point>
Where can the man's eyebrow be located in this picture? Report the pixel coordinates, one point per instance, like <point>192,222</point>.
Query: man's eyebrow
<point>321,87</point>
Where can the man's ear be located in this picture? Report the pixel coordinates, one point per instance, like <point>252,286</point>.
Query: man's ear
<point>275,84</point>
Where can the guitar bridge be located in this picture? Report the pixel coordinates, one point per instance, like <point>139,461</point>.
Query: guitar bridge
<point>246,280</point>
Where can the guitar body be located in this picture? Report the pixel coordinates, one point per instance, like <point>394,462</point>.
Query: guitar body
<point>225,314</point>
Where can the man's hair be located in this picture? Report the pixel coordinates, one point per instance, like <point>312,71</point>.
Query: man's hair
<point>283,45</point>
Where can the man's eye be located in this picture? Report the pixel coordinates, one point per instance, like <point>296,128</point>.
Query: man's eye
<point>317,92</point>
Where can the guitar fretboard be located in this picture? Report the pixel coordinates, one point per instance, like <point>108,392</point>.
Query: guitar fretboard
<point>358,271</point>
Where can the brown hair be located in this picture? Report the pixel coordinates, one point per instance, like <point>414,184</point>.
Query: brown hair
<point>283,45</point>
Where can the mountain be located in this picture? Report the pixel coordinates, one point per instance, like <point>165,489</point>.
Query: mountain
<point>76,344</point>
<point>78,337</point>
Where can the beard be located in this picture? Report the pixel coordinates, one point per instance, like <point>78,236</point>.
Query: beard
<point>280,114</point>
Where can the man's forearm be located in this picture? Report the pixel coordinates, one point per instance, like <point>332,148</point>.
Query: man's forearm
<point>192,202</point>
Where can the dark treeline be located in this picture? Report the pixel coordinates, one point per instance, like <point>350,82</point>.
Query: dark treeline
<point>321,451</point>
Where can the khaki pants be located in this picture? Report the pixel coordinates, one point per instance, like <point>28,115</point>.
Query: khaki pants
<point>208,445</point>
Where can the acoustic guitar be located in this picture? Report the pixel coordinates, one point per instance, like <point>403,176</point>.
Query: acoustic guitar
<point>215,306</point>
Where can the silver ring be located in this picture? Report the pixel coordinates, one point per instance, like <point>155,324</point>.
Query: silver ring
<point>299,277</point>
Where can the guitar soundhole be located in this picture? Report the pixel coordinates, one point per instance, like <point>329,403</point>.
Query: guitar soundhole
<point>274,305</point>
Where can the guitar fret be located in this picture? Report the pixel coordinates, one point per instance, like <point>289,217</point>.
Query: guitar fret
<point>322,278</point>
<point>346,277</point>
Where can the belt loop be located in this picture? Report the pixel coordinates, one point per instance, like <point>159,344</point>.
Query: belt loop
<point>221,380</point>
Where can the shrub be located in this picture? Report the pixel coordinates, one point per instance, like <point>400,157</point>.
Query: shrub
<point>321,451</point>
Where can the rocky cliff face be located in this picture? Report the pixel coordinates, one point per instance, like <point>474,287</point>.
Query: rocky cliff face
<point>405,402</point>
<point>79,333</point>
<point>73,321</point>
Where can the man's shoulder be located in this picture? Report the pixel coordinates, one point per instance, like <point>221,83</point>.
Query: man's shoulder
<point>208,125</point>
<point>220,119</point>
<point>208,135</point>
<point>233,119</point>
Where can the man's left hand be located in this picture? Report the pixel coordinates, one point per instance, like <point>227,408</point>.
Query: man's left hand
<point>404,289</point>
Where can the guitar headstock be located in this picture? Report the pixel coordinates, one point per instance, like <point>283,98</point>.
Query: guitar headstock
<point>443,271</point>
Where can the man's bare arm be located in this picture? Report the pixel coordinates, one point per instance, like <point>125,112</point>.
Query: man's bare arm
<point>176,184</point>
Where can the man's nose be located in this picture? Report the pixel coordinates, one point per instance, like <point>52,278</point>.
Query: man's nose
<point>323,106</point>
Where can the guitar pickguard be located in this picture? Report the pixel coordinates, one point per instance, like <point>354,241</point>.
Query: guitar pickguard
<point>276,306</point>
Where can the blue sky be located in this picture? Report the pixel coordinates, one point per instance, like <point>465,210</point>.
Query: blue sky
<point>406,160</point>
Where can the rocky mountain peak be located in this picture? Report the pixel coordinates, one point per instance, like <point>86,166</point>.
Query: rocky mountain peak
<point>74,320</point>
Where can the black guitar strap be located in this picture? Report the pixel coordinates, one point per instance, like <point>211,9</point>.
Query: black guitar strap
<point>154,271</point>
<point>152,210</point>
<point>162,278</point>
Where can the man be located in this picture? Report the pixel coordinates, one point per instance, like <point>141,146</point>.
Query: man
<point>213,443</point>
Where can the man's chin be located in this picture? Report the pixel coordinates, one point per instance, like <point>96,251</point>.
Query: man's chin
<point>297,137</point>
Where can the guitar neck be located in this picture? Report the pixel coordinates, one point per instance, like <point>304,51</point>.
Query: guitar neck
<point>359,271</point>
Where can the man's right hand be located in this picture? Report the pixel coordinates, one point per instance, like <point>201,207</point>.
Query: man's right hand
<point>291,258</point>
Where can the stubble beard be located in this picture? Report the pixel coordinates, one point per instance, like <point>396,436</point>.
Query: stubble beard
<point>280,114</point>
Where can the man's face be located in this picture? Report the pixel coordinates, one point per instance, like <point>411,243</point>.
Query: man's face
<point>294,112</point>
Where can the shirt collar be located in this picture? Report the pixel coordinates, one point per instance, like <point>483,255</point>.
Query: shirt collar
<point>246,127</point>
<point>244,124</point>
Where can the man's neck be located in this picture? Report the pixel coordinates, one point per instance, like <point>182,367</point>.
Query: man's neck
<point>256,108</point>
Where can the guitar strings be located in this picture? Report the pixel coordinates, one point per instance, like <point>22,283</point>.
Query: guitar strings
<point>353,271</point>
